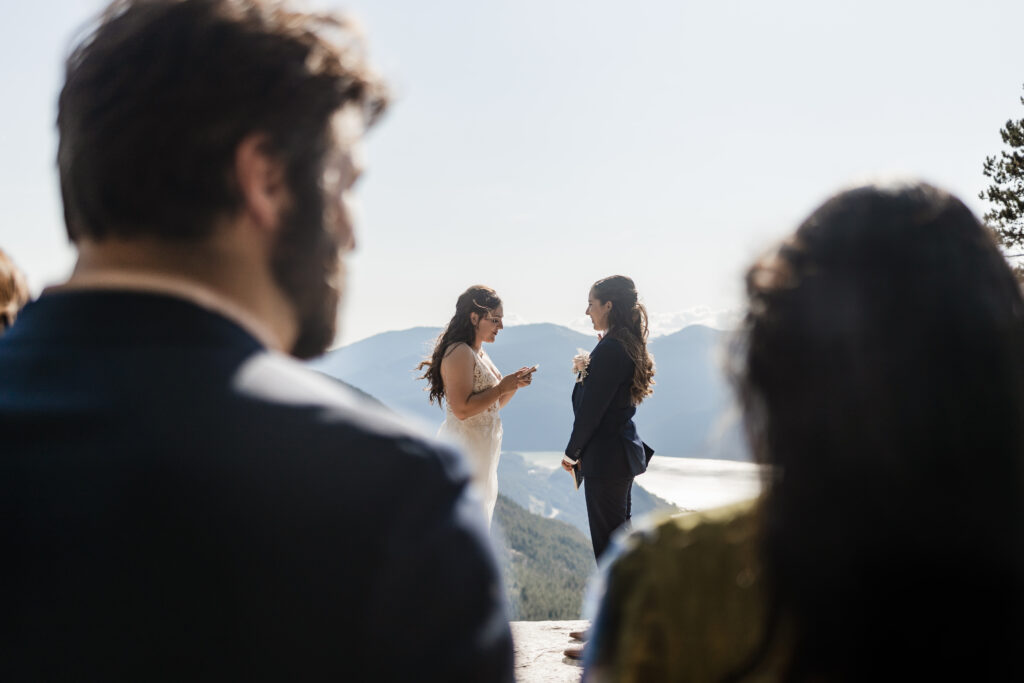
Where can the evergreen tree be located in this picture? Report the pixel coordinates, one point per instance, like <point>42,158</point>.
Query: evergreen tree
<point>1006,193</point>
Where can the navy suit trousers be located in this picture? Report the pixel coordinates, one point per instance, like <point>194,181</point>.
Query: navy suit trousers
<point>609,500</point>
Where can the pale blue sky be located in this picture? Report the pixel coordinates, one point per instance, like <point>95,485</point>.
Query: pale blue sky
<point>536,146</point>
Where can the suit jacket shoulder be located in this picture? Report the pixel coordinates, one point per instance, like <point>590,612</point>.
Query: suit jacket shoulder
<point>333,422</point>
<point>610,348</point>
<point>209,510</point>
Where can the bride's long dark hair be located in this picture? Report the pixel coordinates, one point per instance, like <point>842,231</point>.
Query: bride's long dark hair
<point>477,299</point>
<point>627,322</point>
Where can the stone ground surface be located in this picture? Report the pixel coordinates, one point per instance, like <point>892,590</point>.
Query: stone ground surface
<point>539,646</point>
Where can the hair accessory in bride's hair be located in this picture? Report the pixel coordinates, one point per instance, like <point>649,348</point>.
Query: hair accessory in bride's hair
<point>580,363</point>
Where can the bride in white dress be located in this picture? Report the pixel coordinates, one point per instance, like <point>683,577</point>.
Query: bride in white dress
<point>473,390</point>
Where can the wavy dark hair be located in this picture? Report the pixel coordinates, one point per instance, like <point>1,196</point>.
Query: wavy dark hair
<point>627,322</point>
<point>880,368</point>
<point>477,299</point>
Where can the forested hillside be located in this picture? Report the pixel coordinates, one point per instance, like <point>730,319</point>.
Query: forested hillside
<point>545,563</point>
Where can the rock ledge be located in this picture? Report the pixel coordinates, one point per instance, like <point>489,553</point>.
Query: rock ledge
<point>539,646</point>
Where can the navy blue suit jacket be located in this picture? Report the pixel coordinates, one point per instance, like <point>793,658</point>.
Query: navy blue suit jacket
<point>177,503</point>
<point>604,437</point>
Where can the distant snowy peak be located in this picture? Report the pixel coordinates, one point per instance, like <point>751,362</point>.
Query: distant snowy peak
<point>662,324</point>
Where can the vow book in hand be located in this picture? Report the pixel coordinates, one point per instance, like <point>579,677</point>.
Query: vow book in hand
<point>577,471</point>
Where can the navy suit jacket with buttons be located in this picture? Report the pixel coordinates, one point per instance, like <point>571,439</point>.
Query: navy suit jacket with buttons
<point>177,503</point>
<point>604,437</point>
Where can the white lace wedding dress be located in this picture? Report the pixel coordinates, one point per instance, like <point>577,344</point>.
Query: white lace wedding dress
<point>480,434</point>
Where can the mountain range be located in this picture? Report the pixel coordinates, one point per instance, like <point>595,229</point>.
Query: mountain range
<point>687,416</point>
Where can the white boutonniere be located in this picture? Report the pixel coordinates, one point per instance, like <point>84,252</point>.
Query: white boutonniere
<point>580,363</point>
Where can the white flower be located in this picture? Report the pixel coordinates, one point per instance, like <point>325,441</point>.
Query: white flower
<point>580,363</point>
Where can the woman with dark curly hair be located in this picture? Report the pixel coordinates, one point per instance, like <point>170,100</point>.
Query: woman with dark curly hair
<point>880,370</point>
<point>462,375</point>
<point>881,373</point>
<point>612,381</point>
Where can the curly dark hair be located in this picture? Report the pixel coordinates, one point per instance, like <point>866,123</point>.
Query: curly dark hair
<point>159,95</point>
<point>477,299</point>
<point>880,368</point>
<point>627,322</point>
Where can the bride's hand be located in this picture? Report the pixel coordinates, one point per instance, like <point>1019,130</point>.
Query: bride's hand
<point>509,384</point>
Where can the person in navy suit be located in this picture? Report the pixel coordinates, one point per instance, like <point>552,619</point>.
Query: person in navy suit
<point>180,499</point>
<point>604,445</point>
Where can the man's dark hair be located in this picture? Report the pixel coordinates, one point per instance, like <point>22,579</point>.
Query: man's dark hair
<point>159,95</point>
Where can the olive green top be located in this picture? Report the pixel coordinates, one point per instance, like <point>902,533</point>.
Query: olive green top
<point>683,601</point>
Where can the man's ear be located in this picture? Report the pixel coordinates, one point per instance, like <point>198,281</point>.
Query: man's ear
<point>261,182</point>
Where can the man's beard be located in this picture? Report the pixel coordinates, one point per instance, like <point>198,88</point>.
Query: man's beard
<point>307,266</point>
